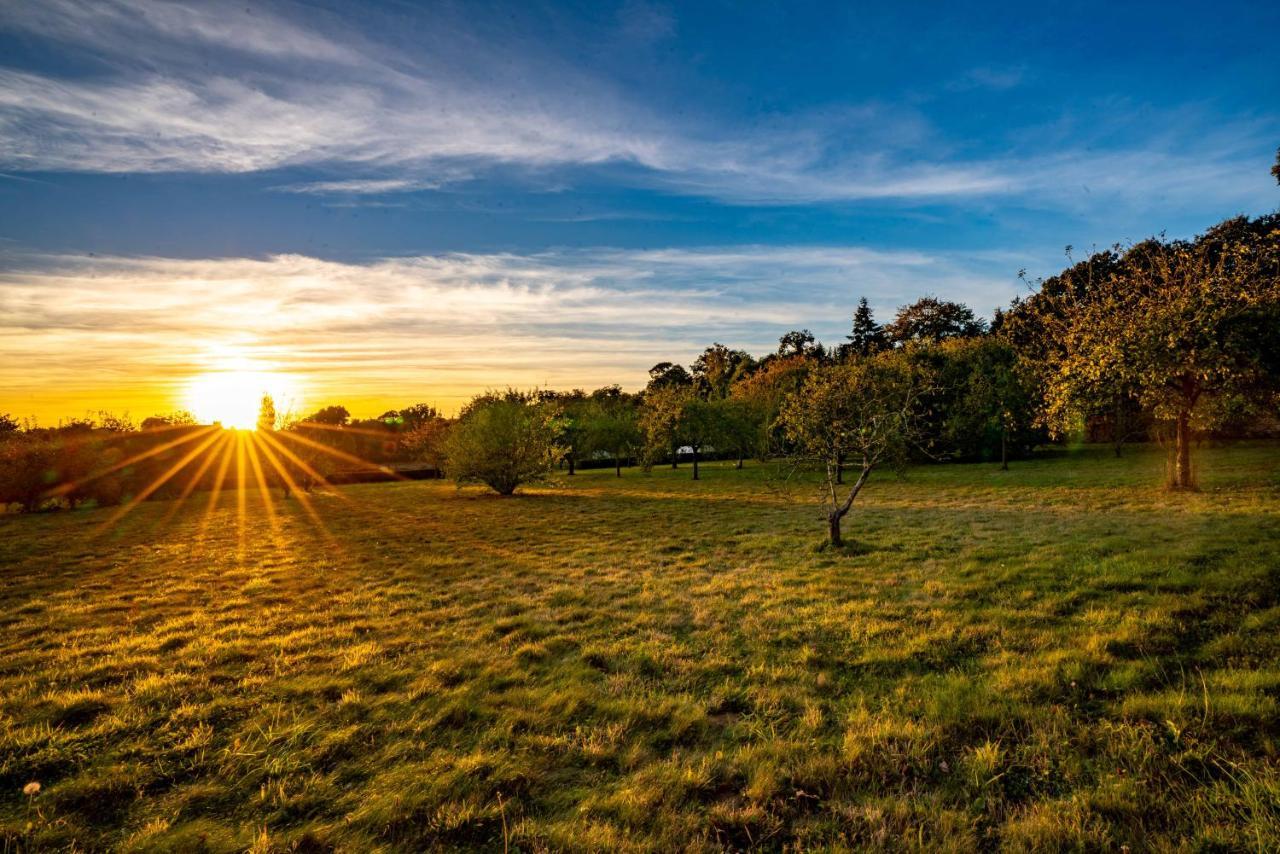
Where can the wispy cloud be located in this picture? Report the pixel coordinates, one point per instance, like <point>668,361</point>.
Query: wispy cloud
<point>443,326</point>
<point>187,87</point>
<point>370,186</point>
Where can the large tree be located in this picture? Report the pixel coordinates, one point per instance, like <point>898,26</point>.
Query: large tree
<point>716,370</point>
<point>1191,327</point>
<point>863,412</point>
<point>932,319</point>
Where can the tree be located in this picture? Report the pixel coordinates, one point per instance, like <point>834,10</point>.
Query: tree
<point>8,424</point>
<point>800,342</point>
<point>180,418</point>
<point>502,440</point>
<point>1275,170</point>
<point>1191,327</point>
<point>568,407</point>
<point>334,416</point>
<point>716,370</point>
<point>741,428</point>
<point>932,319</point>
<point>867,336</point>
<point>863,411</point>
<point>989,406</point>
<point>661,421</point>
<point>668,375</point>
<point>612,426</point>
<point>699,425</point>
<point>409,417</point>
<point>267,413</point>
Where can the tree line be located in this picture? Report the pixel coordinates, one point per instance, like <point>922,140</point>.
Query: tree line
<point>1164,339</point>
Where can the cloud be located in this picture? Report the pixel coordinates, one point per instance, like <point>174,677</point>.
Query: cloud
<point>187,87</point>
<point>370,186</point>
<point>443,326</point>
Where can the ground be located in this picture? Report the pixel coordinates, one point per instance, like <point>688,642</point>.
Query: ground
<point>1062,655</point>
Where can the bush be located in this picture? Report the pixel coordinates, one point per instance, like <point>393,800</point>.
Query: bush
<point>502,440</point>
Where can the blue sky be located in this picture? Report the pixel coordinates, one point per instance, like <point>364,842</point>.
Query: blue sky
<point>566,192</point>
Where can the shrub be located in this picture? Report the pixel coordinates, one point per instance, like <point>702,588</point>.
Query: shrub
<point>502,440</point>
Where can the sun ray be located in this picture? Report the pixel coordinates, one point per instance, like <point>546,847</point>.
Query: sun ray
<point>242,510</point>
<point>289,454</point>
<point>158,482</point>
<point>303,499</point>
<point>194,482</point>
<point>228,451</point>
<point>334,428</point>
<point>342,455</point>
<point>264,489</point>
<point>65,488</point>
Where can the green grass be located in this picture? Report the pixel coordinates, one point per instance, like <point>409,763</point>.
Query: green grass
<point>1058,656</point>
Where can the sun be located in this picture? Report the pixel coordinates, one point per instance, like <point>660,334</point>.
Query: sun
<point>233,398</point>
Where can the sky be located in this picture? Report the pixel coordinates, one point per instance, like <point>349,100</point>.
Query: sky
<point>379,204</point>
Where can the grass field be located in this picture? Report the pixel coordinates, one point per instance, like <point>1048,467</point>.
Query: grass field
<point>1062,655</point>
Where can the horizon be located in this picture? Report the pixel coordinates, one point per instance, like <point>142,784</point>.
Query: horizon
<point>418,204</point>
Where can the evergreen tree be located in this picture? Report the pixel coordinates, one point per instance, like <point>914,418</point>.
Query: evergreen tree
<point>867,336</point>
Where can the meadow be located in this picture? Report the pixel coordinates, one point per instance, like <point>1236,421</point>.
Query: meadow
<point>1063,655</point>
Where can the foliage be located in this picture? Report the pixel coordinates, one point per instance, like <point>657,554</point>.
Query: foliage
<point>866,337</point>
<point>864,412</point>
<point>267,413</point>
<point>335,416</point>
<point>1189,328</point>
<point>612,426</point>
<point>503,440</point>
<point>932,319</point>
<point>718,368</point>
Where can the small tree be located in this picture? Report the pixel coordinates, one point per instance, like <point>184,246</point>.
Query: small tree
<point>612,426</point>
<point>661,420</point>
<point>863,412</point>
<point>700,425</point>
<point>267,413</point>
<point>502,440</point>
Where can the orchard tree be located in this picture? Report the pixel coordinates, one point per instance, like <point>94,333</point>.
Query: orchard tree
<point>503,440</point>
<point>662,421</point>
<point>742,428</point>
<point>700,424</point>
<point>569,408</point>
<point>863,412</point>
<point>612,426</point>
<point>1192,327</point>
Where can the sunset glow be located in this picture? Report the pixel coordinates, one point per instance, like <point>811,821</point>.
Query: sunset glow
<point>233,398</point>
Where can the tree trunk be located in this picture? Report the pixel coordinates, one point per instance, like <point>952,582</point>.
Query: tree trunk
<point>675,456</point>
<point>1004,449</point>
<point>839,468</point>
<point>739,465</point>
<point>1182,478</point>
<point>695,462</point>
<point>833,527</point>
<point>569,460</point>
<point>1118,429</point>
<point>617,465</point>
